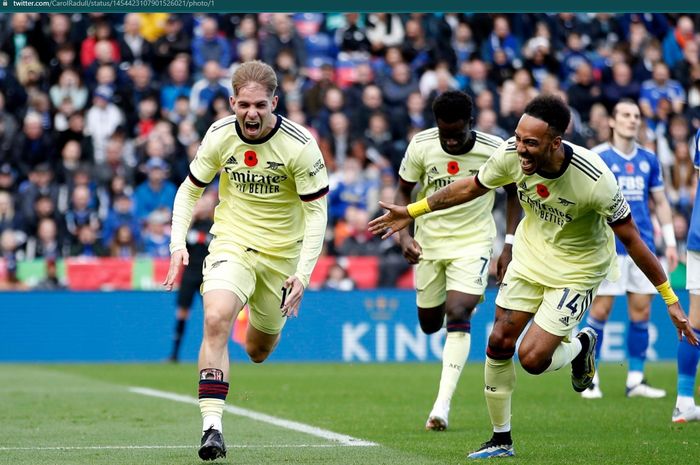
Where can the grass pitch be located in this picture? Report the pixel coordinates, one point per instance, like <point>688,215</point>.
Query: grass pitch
<point>86,414</point>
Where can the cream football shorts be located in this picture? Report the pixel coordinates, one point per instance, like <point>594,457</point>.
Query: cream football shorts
<point>557,311</point>
<point>255,277</point>
<point>692,272</point>
<point>468,274</point>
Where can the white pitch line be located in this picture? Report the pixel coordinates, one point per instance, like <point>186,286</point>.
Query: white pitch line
<point>271,446</point>
<point>281,422</point>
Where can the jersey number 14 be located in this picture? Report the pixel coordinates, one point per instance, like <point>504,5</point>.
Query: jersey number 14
<point>576,302</point>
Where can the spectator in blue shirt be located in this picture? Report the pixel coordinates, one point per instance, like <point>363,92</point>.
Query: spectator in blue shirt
<point>210,46</point>
<point>351,189</point>
<point>80,213</point>
<point>661,86</point>
<point>208,88</point>
<point>501,38</point>
<point>622,85</point>
<point>156,240</point>
<point>676,39</point>
<point>573,57</point>
<point>178,85</point>
<point>121,214</point>
<point>156,192</point>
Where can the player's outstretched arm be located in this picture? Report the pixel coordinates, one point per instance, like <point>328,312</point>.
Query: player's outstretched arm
<point>315,217</point>
<point>514,212</point>
<point>627,232</point>
<point>187,195</point>
<point>398,216</point>
<point>410,248</point>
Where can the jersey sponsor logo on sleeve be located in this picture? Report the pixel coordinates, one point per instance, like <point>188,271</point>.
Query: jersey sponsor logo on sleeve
<point>619,207</point>
<point>318,166</point>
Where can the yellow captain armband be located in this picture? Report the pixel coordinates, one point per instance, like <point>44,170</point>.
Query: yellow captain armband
<point>419,208</point>
<point>667,293</point>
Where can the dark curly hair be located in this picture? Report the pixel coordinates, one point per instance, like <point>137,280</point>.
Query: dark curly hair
<point>552,110</point>
<point>453,106</point>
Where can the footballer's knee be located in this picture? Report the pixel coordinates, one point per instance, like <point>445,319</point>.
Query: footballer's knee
<point>430,327</point>
<point>216,326</point>
<point>533,363</point>
<point>458,313</point>
<point>638,315</point>
<point>431,319</point>
<point>258,354</point>
<point>501,344</point>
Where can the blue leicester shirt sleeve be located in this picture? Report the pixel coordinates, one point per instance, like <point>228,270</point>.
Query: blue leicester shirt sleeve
<point>694,230</point>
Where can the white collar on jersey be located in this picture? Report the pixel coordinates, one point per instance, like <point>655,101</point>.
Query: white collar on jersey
<point>626,156</point>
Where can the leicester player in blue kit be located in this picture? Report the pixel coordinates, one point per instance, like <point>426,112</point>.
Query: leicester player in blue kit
<point>688,354</point>
<point>638,174</point>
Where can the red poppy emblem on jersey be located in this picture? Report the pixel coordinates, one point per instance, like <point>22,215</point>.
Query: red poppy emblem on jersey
<point>542,191</point>
<point>251,158</point>
<point>629,167</point>
<point>453,167</point>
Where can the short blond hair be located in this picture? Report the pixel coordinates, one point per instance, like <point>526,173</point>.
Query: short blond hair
<point>257,72</point>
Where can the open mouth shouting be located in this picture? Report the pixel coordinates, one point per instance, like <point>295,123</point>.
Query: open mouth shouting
<point>252,128</point>
<point>527,164</point>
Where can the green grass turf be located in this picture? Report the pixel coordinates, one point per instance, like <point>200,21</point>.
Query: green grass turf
<point>90,406</point>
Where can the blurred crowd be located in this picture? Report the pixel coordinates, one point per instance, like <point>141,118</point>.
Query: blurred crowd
<point>101,113</point>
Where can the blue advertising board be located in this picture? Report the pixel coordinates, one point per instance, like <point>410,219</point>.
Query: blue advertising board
<point>333,326</point>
